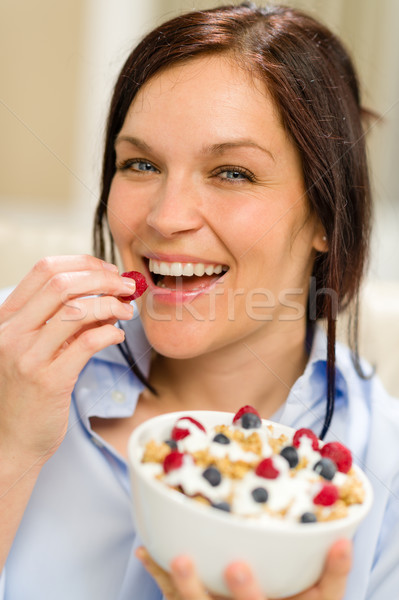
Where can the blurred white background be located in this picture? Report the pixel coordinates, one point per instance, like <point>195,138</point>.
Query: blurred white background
<point>58,64</point>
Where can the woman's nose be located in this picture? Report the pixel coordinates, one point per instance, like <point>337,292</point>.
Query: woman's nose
<point>175,209</point>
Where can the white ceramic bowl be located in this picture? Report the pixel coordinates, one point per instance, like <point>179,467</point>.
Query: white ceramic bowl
<point>286,557</point>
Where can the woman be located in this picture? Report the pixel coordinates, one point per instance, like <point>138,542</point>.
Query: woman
<point>235,179</point>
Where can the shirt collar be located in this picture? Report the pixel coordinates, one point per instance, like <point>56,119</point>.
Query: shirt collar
<point>305,404</point>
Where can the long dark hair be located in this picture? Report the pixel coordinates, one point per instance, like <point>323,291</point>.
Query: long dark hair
<point>314,85</point>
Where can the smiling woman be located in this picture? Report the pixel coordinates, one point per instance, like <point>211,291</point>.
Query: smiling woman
<point>209,197</point>
<point>299,107</point>
<point>235,180</point>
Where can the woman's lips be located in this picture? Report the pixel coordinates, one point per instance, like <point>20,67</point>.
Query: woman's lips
<point>177,281</point>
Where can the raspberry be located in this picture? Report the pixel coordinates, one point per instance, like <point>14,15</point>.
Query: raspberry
<point>309,433</point>
<point>339,454</point>
<point>173,460</point>
<point>179,433</point>
<point>267,469</point>
<point>243,410</point>
<point>327,495</point>
<point>141,285</point>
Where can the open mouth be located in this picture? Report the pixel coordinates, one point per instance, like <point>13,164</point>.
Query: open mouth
<point>184,276</point>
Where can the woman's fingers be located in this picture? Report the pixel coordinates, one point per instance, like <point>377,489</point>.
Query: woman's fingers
<point>338,565</point>
<point>186,579</point>
<point>72,320</point>
<point>332,583</point>
<point>183,582</point>
<point>242,583</point>
<point>62,289</point>
<point>43,270</point>
<point>71,361</point>
<point>162,578</point>
<point>49,328</point>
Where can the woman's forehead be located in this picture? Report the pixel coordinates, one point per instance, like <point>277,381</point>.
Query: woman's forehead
<point>207,87</point>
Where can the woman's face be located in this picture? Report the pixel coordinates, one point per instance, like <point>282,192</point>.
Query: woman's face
<point>208,202</point>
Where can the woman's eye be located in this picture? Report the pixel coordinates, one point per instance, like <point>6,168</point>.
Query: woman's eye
<point>234,174</point>
<point>142,166</point>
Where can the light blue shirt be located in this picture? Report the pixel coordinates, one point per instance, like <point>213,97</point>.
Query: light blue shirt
<point>77,538</point>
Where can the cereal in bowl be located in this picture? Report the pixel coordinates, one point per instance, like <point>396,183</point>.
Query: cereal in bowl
<point>248,468</point>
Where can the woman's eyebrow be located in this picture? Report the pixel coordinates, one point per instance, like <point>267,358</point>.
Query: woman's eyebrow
<point>211,149</point>
<point>223,147</point>
<point>134,142</point>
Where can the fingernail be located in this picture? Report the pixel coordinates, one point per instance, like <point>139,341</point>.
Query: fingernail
<point>128,284</point>
<point>127,309</point>
<point>110,267</point>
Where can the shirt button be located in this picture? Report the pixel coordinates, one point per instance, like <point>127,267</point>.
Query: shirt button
<point>118,397</point>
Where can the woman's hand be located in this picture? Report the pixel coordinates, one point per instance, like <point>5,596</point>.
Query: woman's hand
<point>62,313</point>
<point>183,583</point>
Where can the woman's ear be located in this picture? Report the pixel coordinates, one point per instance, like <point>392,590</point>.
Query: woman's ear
<point>320,242</point>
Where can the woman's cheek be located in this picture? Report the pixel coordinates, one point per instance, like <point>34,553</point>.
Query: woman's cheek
<point>123,217</point>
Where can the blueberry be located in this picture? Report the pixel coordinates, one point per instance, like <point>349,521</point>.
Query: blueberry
<point>172,444</point>
<point>291,456</point>
<point>308,517</point>
<point>260,495</point>
<point>220,438</point>
<point>326,468</point>
<point>250,421</point>
<point>212,475</point>
<point>222,506</point>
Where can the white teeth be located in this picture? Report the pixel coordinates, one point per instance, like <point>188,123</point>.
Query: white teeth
<point>155,268</point>
<point>199,269</point>
<point>188,270</point>
<point>177,269</point>
<point>162,267</point>
<point>209,270</point>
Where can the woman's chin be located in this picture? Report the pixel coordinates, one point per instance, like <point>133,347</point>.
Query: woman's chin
<point>177,339</point>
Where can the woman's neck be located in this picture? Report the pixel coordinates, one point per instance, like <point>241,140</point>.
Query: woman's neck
<point>259,372</point>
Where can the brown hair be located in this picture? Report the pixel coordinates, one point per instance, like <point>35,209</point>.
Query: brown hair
<point>314,85</point>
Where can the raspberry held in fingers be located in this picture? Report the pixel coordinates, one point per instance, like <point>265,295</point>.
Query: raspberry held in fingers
<point>141,285</point>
